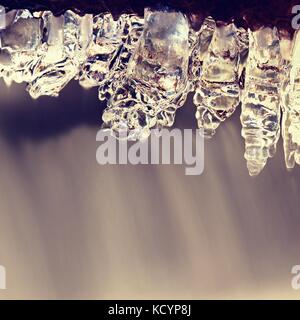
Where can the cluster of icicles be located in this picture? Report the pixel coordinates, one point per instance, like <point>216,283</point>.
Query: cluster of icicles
<point>146,67</point>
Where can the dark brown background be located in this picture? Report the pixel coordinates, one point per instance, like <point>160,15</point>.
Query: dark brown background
<point>248,13</point>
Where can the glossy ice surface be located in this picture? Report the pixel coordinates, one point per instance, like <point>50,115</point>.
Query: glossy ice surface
<point>145,67</point>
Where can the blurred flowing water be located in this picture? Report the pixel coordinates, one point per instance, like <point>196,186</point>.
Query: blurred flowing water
<point>70,228</point>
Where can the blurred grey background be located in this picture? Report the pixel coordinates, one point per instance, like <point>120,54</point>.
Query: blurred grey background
<point>70,228</point>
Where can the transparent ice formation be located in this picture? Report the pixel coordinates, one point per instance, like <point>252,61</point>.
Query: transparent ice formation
<point>260,114</point>
<point>19,49</point>
<point>144,67</point>
<point>156,78</point>
<point>199,42</point>
<point>66,41</point>
<point>217,92</point>
<point>290,103</point>
<point>108,34</point>
<point>131,33</point>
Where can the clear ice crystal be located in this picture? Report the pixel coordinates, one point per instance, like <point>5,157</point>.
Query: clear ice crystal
<point>108,34</point>
<point>131,33</point>
<point>2,17</point>
<point>145,67</point>
<point>290,104</point>
<point>260,116</point>
<point>14,38</point>
<point>217,92</point>
<point>156,80</point>
<point>66,41</point>
<point>77,35</point>
<point>199,42</point>
<point>19,49</point>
